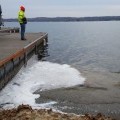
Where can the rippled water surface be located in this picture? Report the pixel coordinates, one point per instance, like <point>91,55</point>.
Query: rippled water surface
<point>90,47</point>
<point>86,45</point>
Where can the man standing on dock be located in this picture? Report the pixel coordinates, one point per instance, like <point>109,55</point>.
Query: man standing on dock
<point>23,21</point>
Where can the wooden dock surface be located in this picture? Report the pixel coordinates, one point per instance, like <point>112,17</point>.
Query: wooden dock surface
<point>10,43</point>
<point>14,52</point>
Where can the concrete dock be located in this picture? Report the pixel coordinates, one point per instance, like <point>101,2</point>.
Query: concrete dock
<point>14,52</point>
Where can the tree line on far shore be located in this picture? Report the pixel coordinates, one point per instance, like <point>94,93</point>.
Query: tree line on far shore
<point>67,19</point>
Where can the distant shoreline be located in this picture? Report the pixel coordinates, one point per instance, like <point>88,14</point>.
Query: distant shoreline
<point>67,19</point>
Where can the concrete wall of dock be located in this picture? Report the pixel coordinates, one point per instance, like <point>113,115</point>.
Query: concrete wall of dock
<point>10,66</point>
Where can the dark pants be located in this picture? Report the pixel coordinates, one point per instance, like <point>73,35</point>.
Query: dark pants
<point>22,31</point>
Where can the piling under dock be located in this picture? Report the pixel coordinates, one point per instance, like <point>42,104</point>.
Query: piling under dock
<point>14,52</point>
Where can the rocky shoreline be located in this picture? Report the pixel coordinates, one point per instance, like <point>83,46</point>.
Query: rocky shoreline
<point>25,112</point>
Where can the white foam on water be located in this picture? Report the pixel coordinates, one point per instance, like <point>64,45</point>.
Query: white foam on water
<point>41,75</point>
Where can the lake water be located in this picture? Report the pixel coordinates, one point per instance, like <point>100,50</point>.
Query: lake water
<point>79,53</point>
<point>85,45</point>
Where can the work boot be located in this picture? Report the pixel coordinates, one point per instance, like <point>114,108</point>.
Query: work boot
<point>23,39</point>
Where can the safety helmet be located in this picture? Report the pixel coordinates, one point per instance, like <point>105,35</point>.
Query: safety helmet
<point>22,8</point>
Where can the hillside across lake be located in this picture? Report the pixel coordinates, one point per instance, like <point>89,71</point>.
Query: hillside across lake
<point>68,19</point>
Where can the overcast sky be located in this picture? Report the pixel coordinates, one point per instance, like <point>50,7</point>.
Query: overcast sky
<point>61,8</point>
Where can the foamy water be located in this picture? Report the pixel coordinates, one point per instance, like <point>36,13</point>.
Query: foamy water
<point>40,75</point>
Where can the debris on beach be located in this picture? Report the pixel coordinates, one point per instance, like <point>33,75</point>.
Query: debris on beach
<point>25,112</point>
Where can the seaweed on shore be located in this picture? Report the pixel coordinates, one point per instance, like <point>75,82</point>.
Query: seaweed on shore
<point>25,112</point>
